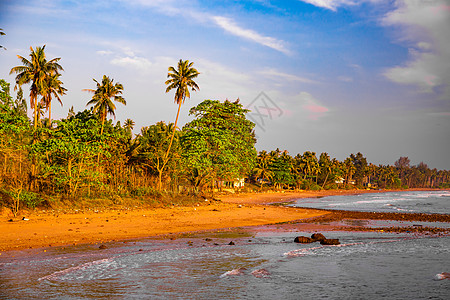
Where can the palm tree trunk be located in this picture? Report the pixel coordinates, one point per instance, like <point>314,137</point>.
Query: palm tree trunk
<point>98,155</point>
<point>326,178</point>
<point>173,133</point>
<point>50,113</point>
<point>35,112</point>
<point>103,124</point>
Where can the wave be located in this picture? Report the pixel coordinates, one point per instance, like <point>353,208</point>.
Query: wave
<point>56,275</point>
<point>258,273</point>
<point>442,276</point>
<point>307,251</point>
<point>234,272</point>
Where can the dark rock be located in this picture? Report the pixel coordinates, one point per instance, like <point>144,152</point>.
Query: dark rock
<point>318,237</point>
<point>231,243</point>
<point>303,240</point>
<point>208,239</point>
<point>102,247</point>
<point>330,242</point>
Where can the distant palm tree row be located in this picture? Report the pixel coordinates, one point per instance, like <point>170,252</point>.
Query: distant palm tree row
<point>306,171</point>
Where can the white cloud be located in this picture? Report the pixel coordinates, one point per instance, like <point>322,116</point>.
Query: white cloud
<point>187,9</point>
<point>334,4</point>
<point>286,76</point>
<point>104,52</point>
<point>331,4</point>
<point>230,26</point>
<point>424,28</point>
<point>135,62</point>
<point>126,57</point>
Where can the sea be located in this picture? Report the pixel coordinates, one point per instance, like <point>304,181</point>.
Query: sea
<point>248,265</point>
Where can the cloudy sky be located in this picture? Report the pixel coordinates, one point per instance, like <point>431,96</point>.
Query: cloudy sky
<point>335,76</point>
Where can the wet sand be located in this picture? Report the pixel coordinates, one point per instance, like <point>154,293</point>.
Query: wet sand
<point>49,229</point>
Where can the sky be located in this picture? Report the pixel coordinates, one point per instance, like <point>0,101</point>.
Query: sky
<point>335,76</point>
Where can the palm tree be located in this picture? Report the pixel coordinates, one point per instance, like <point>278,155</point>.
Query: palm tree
<point>262,168</point>
<point>53,87</point>
<point>105,92</point>
<point>36,72</point>
<point>181,80</point>
<point>129,125</point>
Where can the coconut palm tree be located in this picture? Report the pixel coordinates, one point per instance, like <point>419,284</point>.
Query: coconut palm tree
<point>181,79</point>
<point>104,94</point>
<point>129,125</point>
<point>53,87</point>
<point>35,71</point>
<point>262,169</point>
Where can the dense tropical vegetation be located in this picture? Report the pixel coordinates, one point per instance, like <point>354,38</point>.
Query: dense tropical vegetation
<point>87,155</point>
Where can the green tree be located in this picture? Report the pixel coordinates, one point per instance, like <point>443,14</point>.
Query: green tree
<point>360,163</point>
<point>14,138</point>
<point>153,144</point>
<point>35,71</point>
<point>5,97</point>
<point>20,104</point>
<point>181,79</point>
<point>67,155</point>
<point>219,143</point>
<point>349,170</point>
<point>52,88</point>
<point>325,165</point>
<point>103,98</point>
<point>310,165</point>
<point>402,165</point>
<point>129,125</point>
<point>281,168</point>
<point>262,169</point>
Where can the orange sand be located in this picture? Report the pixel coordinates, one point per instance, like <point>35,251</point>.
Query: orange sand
<point>46,229</point>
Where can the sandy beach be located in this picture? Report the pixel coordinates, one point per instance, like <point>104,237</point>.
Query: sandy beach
<point>49,229</point>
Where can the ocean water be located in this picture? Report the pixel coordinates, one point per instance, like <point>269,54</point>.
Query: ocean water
<point>267,265</point>
<point>433,202</point>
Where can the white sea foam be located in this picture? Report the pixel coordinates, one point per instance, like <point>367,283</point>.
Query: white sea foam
<point>442,276</point>
<point>56,275</point>
<point>301,252</point>
<point>261,273</point>
<point>234,272</point>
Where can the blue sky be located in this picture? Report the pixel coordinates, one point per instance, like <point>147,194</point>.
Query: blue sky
<point>337,76</point>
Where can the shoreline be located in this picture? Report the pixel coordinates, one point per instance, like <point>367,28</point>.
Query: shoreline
<point>45,229</point>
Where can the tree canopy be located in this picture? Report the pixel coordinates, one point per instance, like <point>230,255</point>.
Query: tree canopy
<point>220,141</point>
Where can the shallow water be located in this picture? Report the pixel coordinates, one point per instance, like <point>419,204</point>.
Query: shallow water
<point>364,266</point>
<point>367,265</point>
<point>433,202</point>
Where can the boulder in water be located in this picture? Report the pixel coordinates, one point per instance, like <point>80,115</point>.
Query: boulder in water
<point>318,237</point>
<point>303,240</point>
<point>330,242</point>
